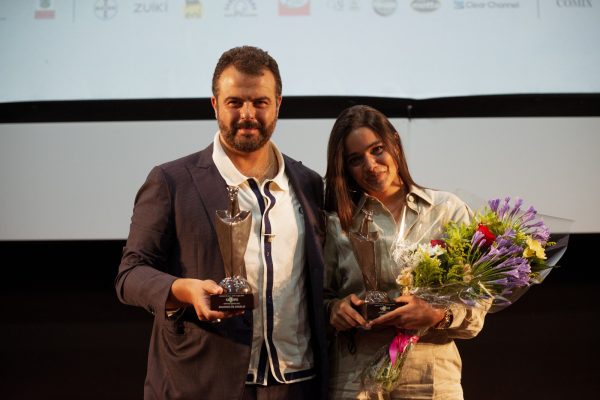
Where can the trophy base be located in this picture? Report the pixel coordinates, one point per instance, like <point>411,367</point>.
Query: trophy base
<point>371,311</point>
<point>231,302</point>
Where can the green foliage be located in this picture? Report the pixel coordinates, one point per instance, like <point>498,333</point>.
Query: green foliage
<point>429,272</point>
<point>455,274</point>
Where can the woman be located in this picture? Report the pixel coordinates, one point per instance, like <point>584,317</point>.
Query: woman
<point>367,170</point>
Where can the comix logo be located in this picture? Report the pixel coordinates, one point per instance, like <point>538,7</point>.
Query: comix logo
<point>574,3</point>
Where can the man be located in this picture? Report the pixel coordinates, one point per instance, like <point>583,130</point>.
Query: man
<point>171,263</point>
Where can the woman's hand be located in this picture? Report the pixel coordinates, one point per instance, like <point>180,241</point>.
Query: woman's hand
<point>344,316</point>
<point>415,314</point>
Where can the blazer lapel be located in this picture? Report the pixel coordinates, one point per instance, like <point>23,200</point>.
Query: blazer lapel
<point>295,180</point>
<point>210,185</point>
<point>309,208</point>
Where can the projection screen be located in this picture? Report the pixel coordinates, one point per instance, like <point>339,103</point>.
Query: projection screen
<point>77,178</point>
<point>118,49</point>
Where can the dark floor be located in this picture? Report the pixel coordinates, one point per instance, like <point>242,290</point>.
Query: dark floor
<point>63,334</point>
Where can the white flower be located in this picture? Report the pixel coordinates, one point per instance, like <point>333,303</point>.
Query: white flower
<point>433,251</point>
<point>404,254</point>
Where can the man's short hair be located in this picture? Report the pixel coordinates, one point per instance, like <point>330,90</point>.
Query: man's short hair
<point>248,60</point>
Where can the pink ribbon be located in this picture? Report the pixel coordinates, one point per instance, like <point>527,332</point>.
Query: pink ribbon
<point>399,343</point>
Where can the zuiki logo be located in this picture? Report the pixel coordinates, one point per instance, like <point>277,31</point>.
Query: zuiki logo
<point>425,5</point>
<point>105,9</point>
<point>240,8</point>
<point>385,7</point>
<point>151,7</point>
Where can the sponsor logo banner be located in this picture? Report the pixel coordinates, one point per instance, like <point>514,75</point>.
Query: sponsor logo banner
<point>44,10</point>
<point>106,9</point>
<point>425,5</point>
<point>294,7</point>
<point>192,9</point>
<point>240,8</point>
<point>385,7</point>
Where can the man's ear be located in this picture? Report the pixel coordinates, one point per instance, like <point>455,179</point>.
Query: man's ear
<point>213,102</point>
<point>279,100</point>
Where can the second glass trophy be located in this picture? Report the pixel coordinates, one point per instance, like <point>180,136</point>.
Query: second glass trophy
<point>376,302</point>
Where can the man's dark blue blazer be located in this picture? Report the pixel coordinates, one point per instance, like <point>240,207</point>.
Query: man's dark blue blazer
<point>172,235</point>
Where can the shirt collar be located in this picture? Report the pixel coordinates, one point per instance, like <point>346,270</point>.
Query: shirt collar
<point>420,193</point>
<point>233,177</point>
<point>412,197</point>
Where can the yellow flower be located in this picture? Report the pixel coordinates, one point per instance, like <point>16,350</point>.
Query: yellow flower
<point>467,273</point>
<point>405,279</point>
<point>534,248</point>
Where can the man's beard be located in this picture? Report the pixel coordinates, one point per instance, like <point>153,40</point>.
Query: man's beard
<point>243,143</point>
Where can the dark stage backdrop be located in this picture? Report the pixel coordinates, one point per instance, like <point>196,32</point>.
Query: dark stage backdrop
<point>64,335</point>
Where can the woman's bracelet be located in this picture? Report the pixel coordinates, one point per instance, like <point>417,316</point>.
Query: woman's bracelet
<point>446,321</point>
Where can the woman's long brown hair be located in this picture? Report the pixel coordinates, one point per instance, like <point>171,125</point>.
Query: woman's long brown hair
<point>341,191</point>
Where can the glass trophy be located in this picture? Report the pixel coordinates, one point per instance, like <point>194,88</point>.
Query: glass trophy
<point>233,231</point>
<point>376,302</point>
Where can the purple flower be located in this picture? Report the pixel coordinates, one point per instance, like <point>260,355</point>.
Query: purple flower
<point>506,239</point>
<point>509,262</point>
<point>505,207</point>
<point>492,255</point>
<point>501,281</point>
<point>494,204</point>
<point>539,231</point>
<point>514,250</point>
<point>535,225</point>
<point>528,215</point>
<point>478,239</point>
<point>517,207</point>
<point>541,235</point>
<point>522,269</point>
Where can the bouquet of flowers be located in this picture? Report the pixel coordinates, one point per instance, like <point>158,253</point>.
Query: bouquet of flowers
<point>489,261</point>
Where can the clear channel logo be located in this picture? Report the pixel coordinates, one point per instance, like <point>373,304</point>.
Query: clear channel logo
<point>482,5</point>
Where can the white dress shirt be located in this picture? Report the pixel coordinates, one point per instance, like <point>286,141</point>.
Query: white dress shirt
<point>275,269</point>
